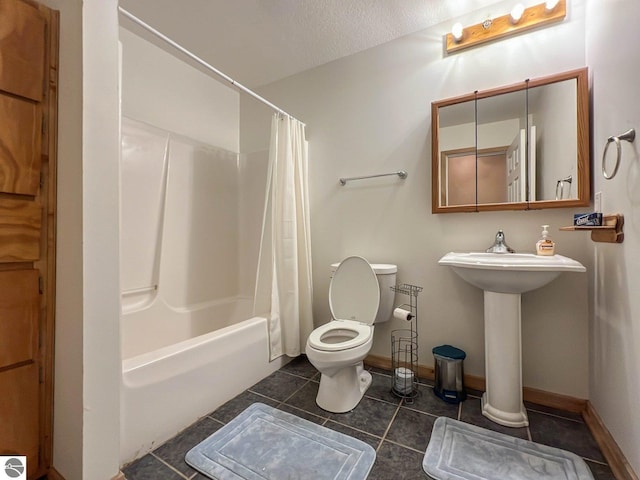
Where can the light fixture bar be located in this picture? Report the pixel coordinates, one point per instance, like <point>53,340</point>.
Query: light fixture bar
<point>533,17</point>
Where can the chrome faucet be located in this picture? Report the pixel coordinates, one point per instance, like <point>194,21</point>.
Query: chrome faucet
<point>500,246</point>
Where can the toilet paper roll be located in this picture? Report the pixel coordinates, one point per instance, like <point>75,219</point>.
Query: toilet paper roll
<point>403,380</point>
<point>402,314</point>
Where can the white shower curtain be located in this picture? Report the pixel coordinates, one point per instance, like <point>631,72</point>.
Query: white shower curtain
<point>283,282</point>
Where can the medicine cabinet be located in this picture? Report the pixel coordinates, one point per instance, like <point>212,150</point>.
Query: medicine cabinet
<point>517,147</point>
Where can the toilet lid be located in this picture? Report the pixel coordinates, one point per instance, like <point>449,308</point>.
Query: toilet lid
<point>354,293</point>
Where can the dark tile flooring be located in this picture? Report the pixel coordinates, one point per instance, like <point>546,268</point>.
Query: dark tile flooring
<point>399,431</point>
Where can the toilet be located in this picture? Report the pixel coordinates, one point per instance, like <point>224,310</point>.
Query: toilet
<point>359,297</point>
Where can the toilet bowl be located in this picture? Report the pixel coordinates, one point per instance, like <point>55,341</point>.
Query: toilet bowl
<point>359,297</point>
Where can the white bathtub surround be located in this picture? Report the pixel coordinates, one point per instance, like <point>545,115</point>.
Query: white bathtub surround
<point>179,222</point>
<point>144,173</point>
<point>189,342</point>
<point>283,281</point>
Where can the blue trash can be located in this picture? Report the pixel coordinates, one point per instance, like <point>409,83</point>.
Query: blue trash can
<point>449,373</point>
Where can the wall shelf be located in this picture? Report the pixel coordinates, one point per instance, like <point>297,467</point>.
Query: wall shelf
<point>610,232</point>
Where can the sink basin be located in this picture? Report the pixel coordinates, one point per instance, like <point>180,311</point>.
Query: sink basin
<point>509,272</point>
<point>504,277</point>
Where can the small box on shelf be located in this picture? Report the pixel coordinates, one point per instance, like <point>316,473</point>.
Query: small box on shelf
<point>592,219</point>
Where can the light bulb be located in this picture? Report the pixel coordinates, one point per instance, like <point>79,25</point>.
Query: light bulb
<point>516,13</point>
<point>457,31</point>
<point>550,4</point>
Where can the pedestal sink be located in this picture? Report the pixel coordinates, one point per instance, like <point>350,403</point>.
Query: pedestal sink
<point>504,277</point>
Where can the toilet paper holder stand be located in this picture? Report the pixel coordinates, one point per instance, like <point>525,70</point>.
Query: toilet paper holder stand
<point>404,346</point>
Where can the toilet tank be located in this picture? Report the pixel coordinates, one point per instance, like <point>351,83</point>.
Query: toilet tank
<point>386,274</point>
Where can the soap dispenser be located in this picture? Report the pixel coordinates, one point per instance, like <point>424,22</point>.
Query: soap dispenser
<point>545,245</point>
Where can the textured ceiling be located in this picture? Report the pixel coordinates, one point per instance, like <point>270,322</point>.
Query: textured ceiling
<point>260,41</point>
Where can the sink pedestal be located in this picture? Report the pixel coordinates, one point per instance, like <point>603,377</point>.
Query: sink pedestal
<point>502,401</point>
<point>511,275</point>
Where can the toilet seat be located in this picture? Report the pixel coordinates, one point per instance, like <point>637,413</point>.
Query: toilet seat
<point>361,334</point>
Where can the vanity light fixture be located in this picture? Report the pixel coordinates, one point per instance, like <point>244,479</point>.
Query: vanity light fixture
<point>516,13</point>
<point>457,31</point>
<point>549,5</point>
<point>519,20</point>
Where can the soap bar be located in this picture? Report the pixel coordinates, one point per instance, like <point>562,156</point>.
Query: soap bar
<point>587,219</point>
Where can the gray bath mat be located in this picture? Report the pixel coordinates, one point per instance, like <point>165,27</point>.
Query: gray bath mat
<point>265,443</point>
<point>459,451</point>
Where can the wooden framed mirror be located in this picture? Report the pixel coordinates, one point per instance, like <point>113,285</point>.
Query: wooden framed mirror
<point>517,147</point>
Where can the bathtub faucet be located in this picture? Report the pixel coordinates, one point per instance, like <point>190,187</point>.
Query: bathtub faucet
<point>500,246</point>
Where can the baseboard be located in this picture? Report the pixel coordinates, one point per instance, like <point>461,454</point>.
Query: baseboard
<point>554,400</point>
<point>615,458</point>
<point>612,453</point>
<point>385,364</point>
<point>53,474</point>
<point>548,399</point>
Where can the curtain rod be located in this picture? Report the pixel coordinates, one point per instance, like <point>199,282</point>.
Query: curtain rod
<point>198,60</point>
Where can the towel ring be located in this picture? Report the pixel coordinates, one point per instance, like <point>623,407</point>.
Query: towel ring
<point>560,186</point>
<point>629,136</point>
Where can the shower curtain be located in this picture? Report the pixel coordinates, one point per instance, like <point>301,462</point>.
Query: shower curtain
<point>283,281</point>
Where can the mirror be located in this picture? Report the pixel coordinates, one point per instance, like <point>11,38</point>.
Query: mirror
<point>519,147</point>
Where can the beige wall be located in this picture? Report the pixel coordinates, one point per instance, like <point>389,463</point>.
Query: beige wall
<point>164,91</point>
<point>614,379</point>
<point>100,240</point>
<point>370,113</point>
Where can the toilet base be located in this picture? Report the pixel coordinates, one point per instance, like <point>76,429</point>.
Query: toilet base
<point>341,392</point>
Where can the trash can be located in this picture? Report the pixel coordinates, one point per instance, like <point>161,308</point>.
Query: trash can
<point>449,373</point>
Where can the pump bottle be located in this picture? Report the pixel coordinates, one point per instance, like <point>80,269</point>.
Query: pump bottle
<point>545,245</point>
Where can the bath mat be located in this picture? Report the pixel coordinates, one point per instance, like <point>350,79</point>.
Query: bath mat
<point>265,443</point>
<point>459,451</point>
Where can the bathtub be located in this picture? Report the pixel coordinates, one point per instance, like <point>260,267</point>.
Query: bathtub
<point>173,376</point>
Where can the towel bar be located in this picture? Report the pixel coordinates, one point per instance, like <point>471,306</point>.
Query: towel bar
<point>401,173</point>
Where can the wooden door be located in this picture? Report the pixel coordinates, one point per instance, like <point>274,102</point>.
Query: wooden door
<point>532,161</point>
<point>28,85</point>
<point>516,169</point>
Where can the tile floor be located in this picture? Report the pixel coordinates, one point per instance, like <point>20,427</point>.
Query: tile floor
<point>397,430</point>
